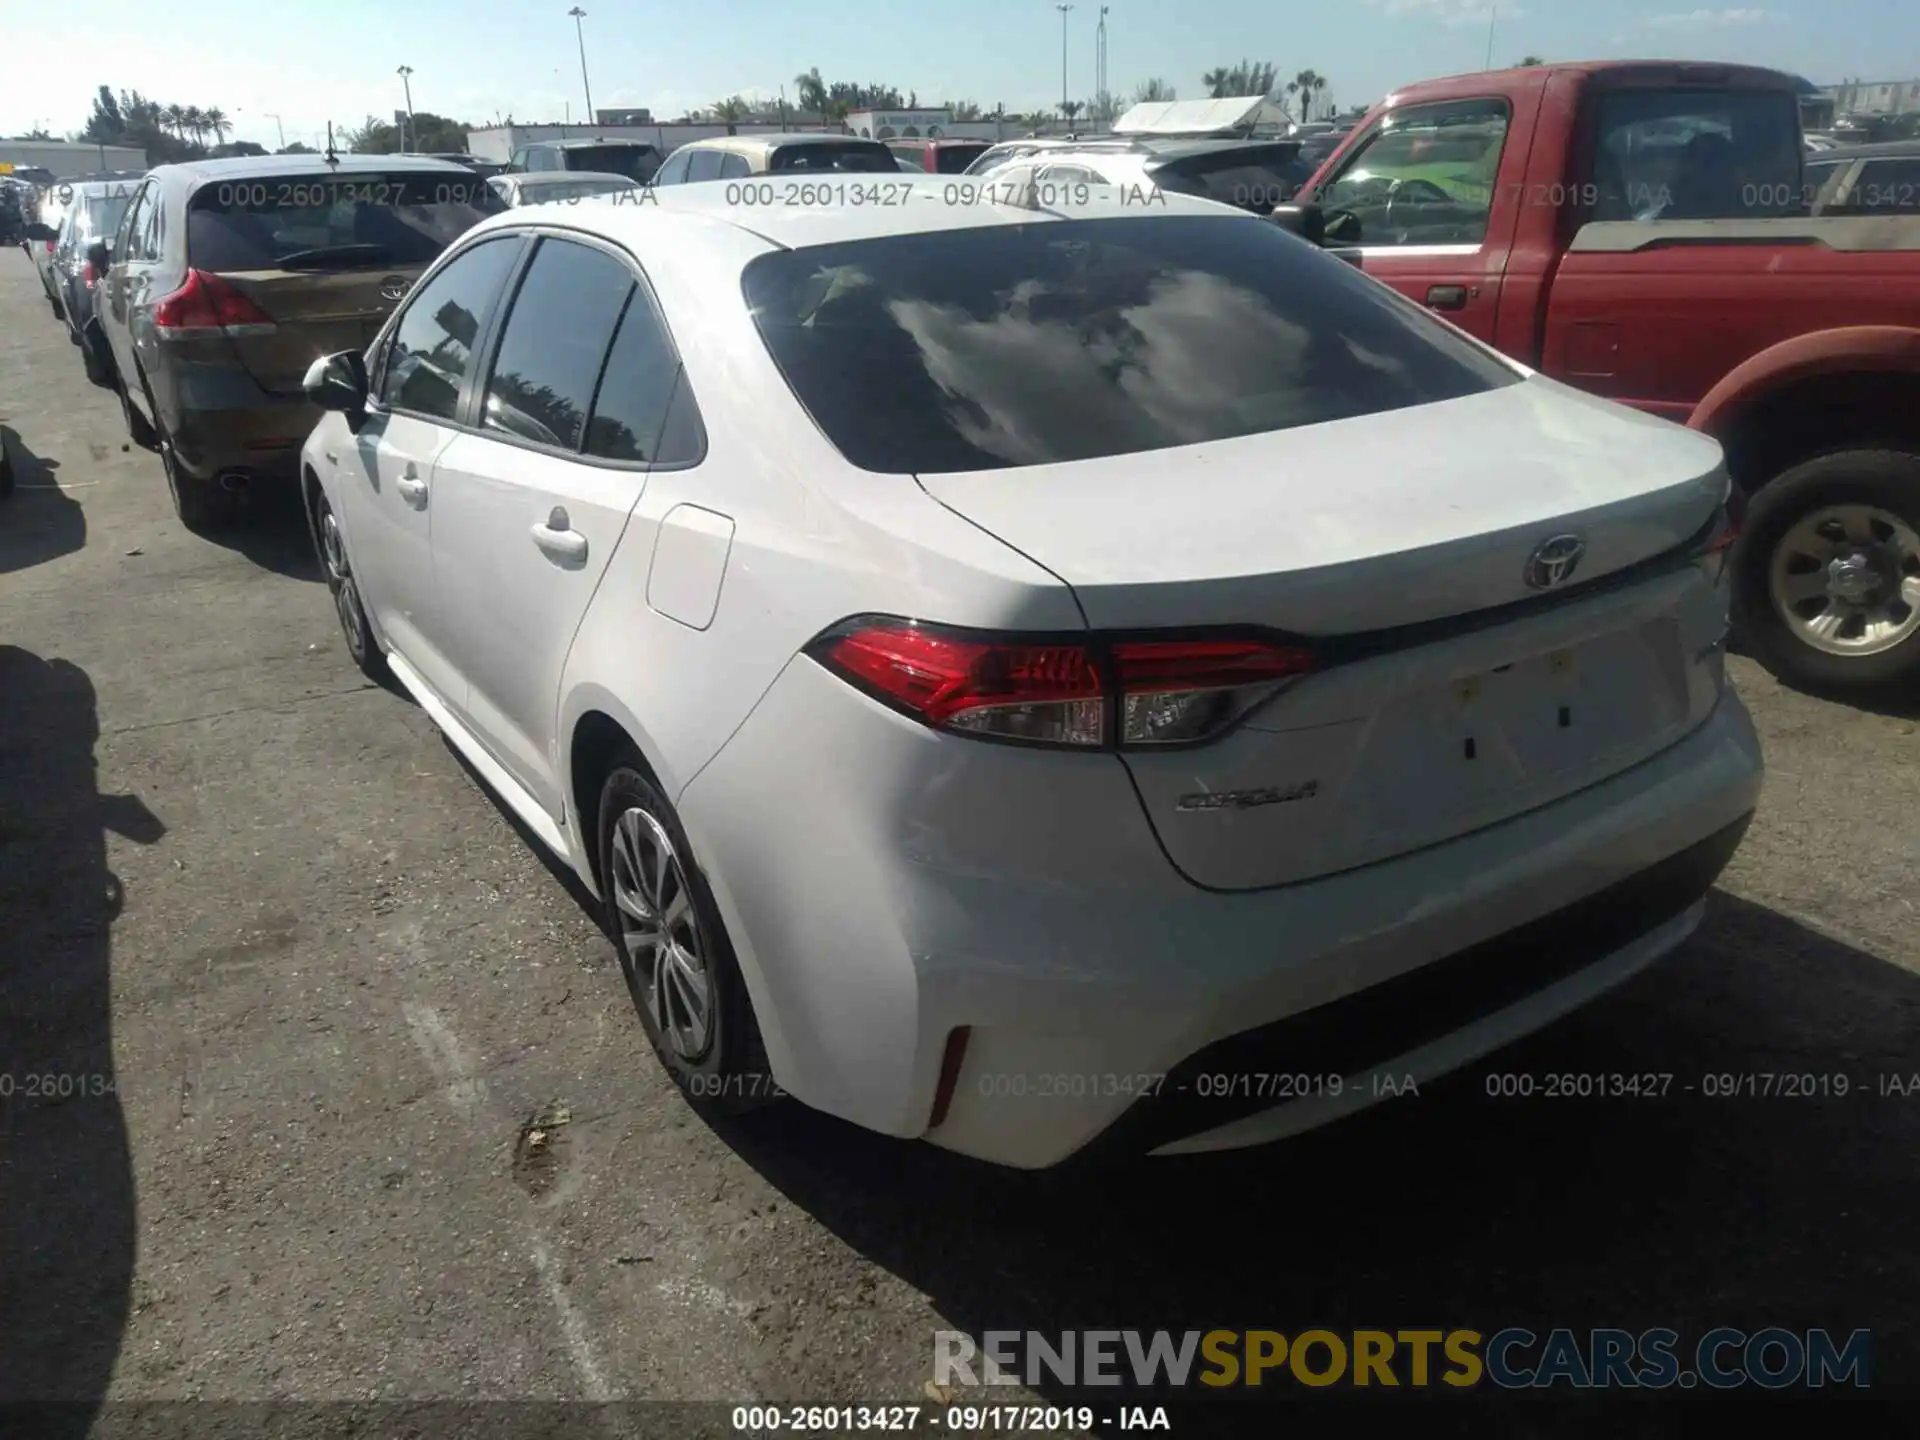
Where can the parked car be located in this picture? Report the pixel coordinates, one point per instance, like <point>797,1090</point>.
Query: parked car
<point>1253,175</point>
<point>227,277</point>
<point>94,215</point>
<point>483,168</point>
<point>731,157</point>
<point>50,208</point>
<point>938,157</point>
<point>545,188</point>
<point>15,208</point>
<point>1879,179</point>
<point>1676,270</point>
<point>634,159</point>
<point>963,645</point>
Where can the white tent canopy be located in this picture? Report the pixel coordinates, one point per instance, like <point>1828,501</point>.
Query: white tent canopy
<point>1203,117</point>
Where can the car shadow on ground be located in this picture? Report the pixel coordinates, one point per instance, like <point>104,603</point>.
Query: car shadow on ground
<point>1688,1209</point>
<point>39,521</point>
<point>270,529</point>
<point>67,1216</point>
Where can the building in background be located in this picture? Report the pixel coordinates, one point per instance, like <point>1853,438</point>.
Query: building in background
<point>69,157</point>
<point>900,124</point>
<point>623,117</point>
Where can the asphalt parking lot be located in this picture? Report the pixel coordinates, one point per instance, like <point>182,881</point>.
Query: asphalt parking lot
<point>316,994</point>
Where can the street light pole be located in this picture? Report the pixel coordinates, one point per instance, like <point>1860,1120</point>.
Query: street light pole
<point>1492,18</point>
<point>405,72</point>
<point>581,35</point>
<point>278,127</point>
<point>1063,9</point>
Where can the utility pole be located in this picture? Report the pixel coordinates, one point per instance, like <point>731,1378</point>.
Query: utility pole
<point>1100,58</point>
<point>580,34</point>
<point>405,72</point>
<point>1492,18</point>
<point>278,127</point>
<point>1063,9</point>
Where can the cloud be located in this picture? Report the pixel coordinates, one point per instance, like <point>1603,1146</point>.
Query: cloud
<point>1450,12</point>
<point>1711,19</point>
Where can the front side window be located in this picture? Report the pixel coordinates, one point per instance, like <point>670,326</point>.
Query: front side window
<point>433,343</point>
<point>554,344</point>
<point>332,222</point>
<point>1056,341</point>
<point>1425,176</point>
<point>1697,155</point>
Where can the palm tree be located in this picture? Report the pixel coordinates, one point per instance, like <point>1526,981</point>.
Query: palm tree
<point>1319,84</point>
<point>174,119</point>
<point>1303,85</point>
<point>1526,60</point>
<point>729,112</point>
<point>1070,108</point>
<point>216,120</point>
<point>1153,92</point>
<point>812,91</point>
<point>195,119</point>
<point>1216,80</point>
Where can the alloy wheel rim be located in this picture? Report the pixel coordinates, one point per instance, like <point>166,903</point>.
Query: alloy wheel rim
<point>1846,580</point>
<point>346,595</point>
<point>660,935</point>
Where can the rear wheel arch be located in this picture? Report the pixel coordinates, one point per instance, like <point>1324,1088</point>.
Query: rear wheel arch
<point>596,744</point>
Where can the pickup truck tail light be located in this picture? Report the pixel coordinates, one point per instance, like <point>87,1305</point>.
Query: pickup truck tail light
<point>207,305</point>
<point>1082,694</point>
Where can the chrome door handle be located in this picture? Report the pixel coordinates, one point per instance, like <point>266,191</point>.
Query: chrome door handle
<point>557,537</point>
<point>412,489</point>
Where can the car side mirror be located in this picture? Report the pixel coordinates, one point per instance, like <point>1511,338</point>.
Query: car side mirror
<point>1309,222</point>
<point>100,256</point>
<point>36,231</point>
<point>339,382</point>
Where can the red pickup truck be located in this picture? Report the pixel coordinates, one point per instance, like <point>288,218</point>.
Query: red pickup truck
<point>1641,230</point>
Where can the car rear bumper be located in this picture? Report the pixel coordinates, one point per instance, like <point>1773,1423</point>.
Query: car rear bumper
<point>221,422</point>
<point>885,886</point>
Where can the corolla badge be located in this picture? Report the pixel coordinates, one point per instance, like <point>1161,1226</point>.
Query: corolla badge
<point>1249,799</point>
<point>1553,561</point>
<point>395,287</point>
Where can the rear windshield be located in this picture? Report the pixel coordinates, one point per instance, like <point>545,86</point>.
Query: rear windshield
<point>571,190</point>
<point>1251,177</point>
<point>954,159</point>
<point>860,156</point>
<point>978,349</point>
<point>332,222</point>
<point>636,162</point>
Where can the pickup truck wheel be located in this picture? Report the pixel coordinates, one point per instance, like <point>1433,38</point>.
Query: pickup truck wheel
<point>1826,590</point>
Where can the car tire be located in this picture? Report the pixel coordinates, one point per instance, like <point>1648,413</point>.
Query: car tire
<point>348,607</point>
<point>59,311</point>
<point>93,355</point>
<point>138,430</point>
<point>6,468</point>
<point>652,887</point>
<point>203,507</point>
<point>1858,509</point>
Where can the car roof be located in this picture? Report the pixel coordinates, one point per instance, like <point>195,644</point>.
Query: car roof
<point>585,144</point>
<point>252,167</point>
<point>565,177</point>
<point>928,206</point>
<point>766,144</point>
<point>1879,150</point>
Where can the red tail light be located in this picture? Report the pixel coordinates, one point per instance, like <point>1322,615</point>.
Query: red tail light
<point>88,277</point>
<point>49,245</point>
<point>1081,693</point>
<point>206,305</point>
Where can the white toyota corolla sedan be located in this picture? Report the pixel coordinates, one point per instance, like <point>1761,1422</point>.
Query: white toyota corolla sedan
<point>1098,677</point>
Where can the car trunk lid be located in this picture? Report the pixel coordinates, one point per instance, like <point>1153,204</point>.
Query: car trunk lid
<point>1454,690</point>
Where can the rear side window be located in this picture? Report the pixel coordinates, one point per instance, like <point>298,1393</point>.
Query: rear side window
<point>332,222</point>
<point>103,215</point>
<point>433,346</point>
<point>860,157</point>
<point>644,410</point>
<point>675,170</point>
<point>734,167</point>
<point>1066,340</point>
<point>1254,177</point>
<point>555,339</point>
<point>1697,155</point>
<point>704,165</point>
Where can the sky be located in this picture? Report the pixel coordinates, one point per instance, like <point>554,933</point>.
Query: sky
<point>474,60</point>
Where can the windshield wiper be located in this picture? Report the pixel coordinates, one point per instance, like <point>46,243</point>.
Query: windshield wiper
<point>360,254</point>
